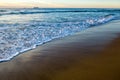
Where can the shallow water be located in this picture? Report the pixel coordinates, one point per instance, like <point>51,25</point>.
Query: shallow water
<point>24,29</point>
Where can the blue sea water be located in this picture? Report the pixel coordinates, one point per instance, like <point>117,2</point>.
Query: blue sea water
<point>24,29</point>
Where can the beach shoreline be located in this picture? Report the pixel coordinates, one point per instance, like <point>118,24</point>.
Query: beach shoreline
<point>87,55</point>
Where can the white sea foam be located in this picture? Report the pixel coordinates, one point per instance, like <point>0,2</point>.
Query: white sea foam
<point>18,37</point>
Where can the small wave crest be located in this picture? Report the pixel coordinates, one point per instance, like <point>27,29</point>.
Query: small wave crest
<point>101,20</point>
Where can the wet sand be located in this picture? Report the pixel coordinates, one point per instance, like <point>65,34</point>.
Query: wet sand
<point>93,54</point>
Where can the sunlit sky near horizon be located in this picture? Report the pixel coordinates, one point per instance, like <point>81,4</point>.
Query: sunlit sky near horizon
<point>60,3</point>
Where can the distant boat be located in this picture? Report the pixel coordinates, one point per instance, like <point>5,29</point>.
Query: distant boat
<point>35,7</point>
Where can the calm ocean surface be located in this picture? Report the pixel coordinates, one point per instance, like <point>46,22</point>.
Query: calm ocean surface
<point>24,29</point>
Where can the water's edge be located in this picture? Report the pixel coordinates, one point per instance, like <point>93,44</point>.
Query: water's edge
<point>19,53</point>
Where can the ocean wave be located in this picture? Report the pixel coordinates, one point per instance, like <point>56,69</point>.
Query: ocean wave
<point>15,40</point>
<point>61,10</point>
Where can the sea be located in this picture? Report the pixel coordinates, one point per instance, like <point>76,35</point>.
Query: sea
<point>23,29</point>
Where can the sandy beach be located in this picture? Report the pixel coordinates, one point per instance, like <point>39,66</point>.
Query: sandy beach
<point>93,54</point>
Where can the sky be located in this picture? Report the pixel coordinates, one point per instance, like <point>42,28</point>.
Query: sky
<point>60,3</point>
